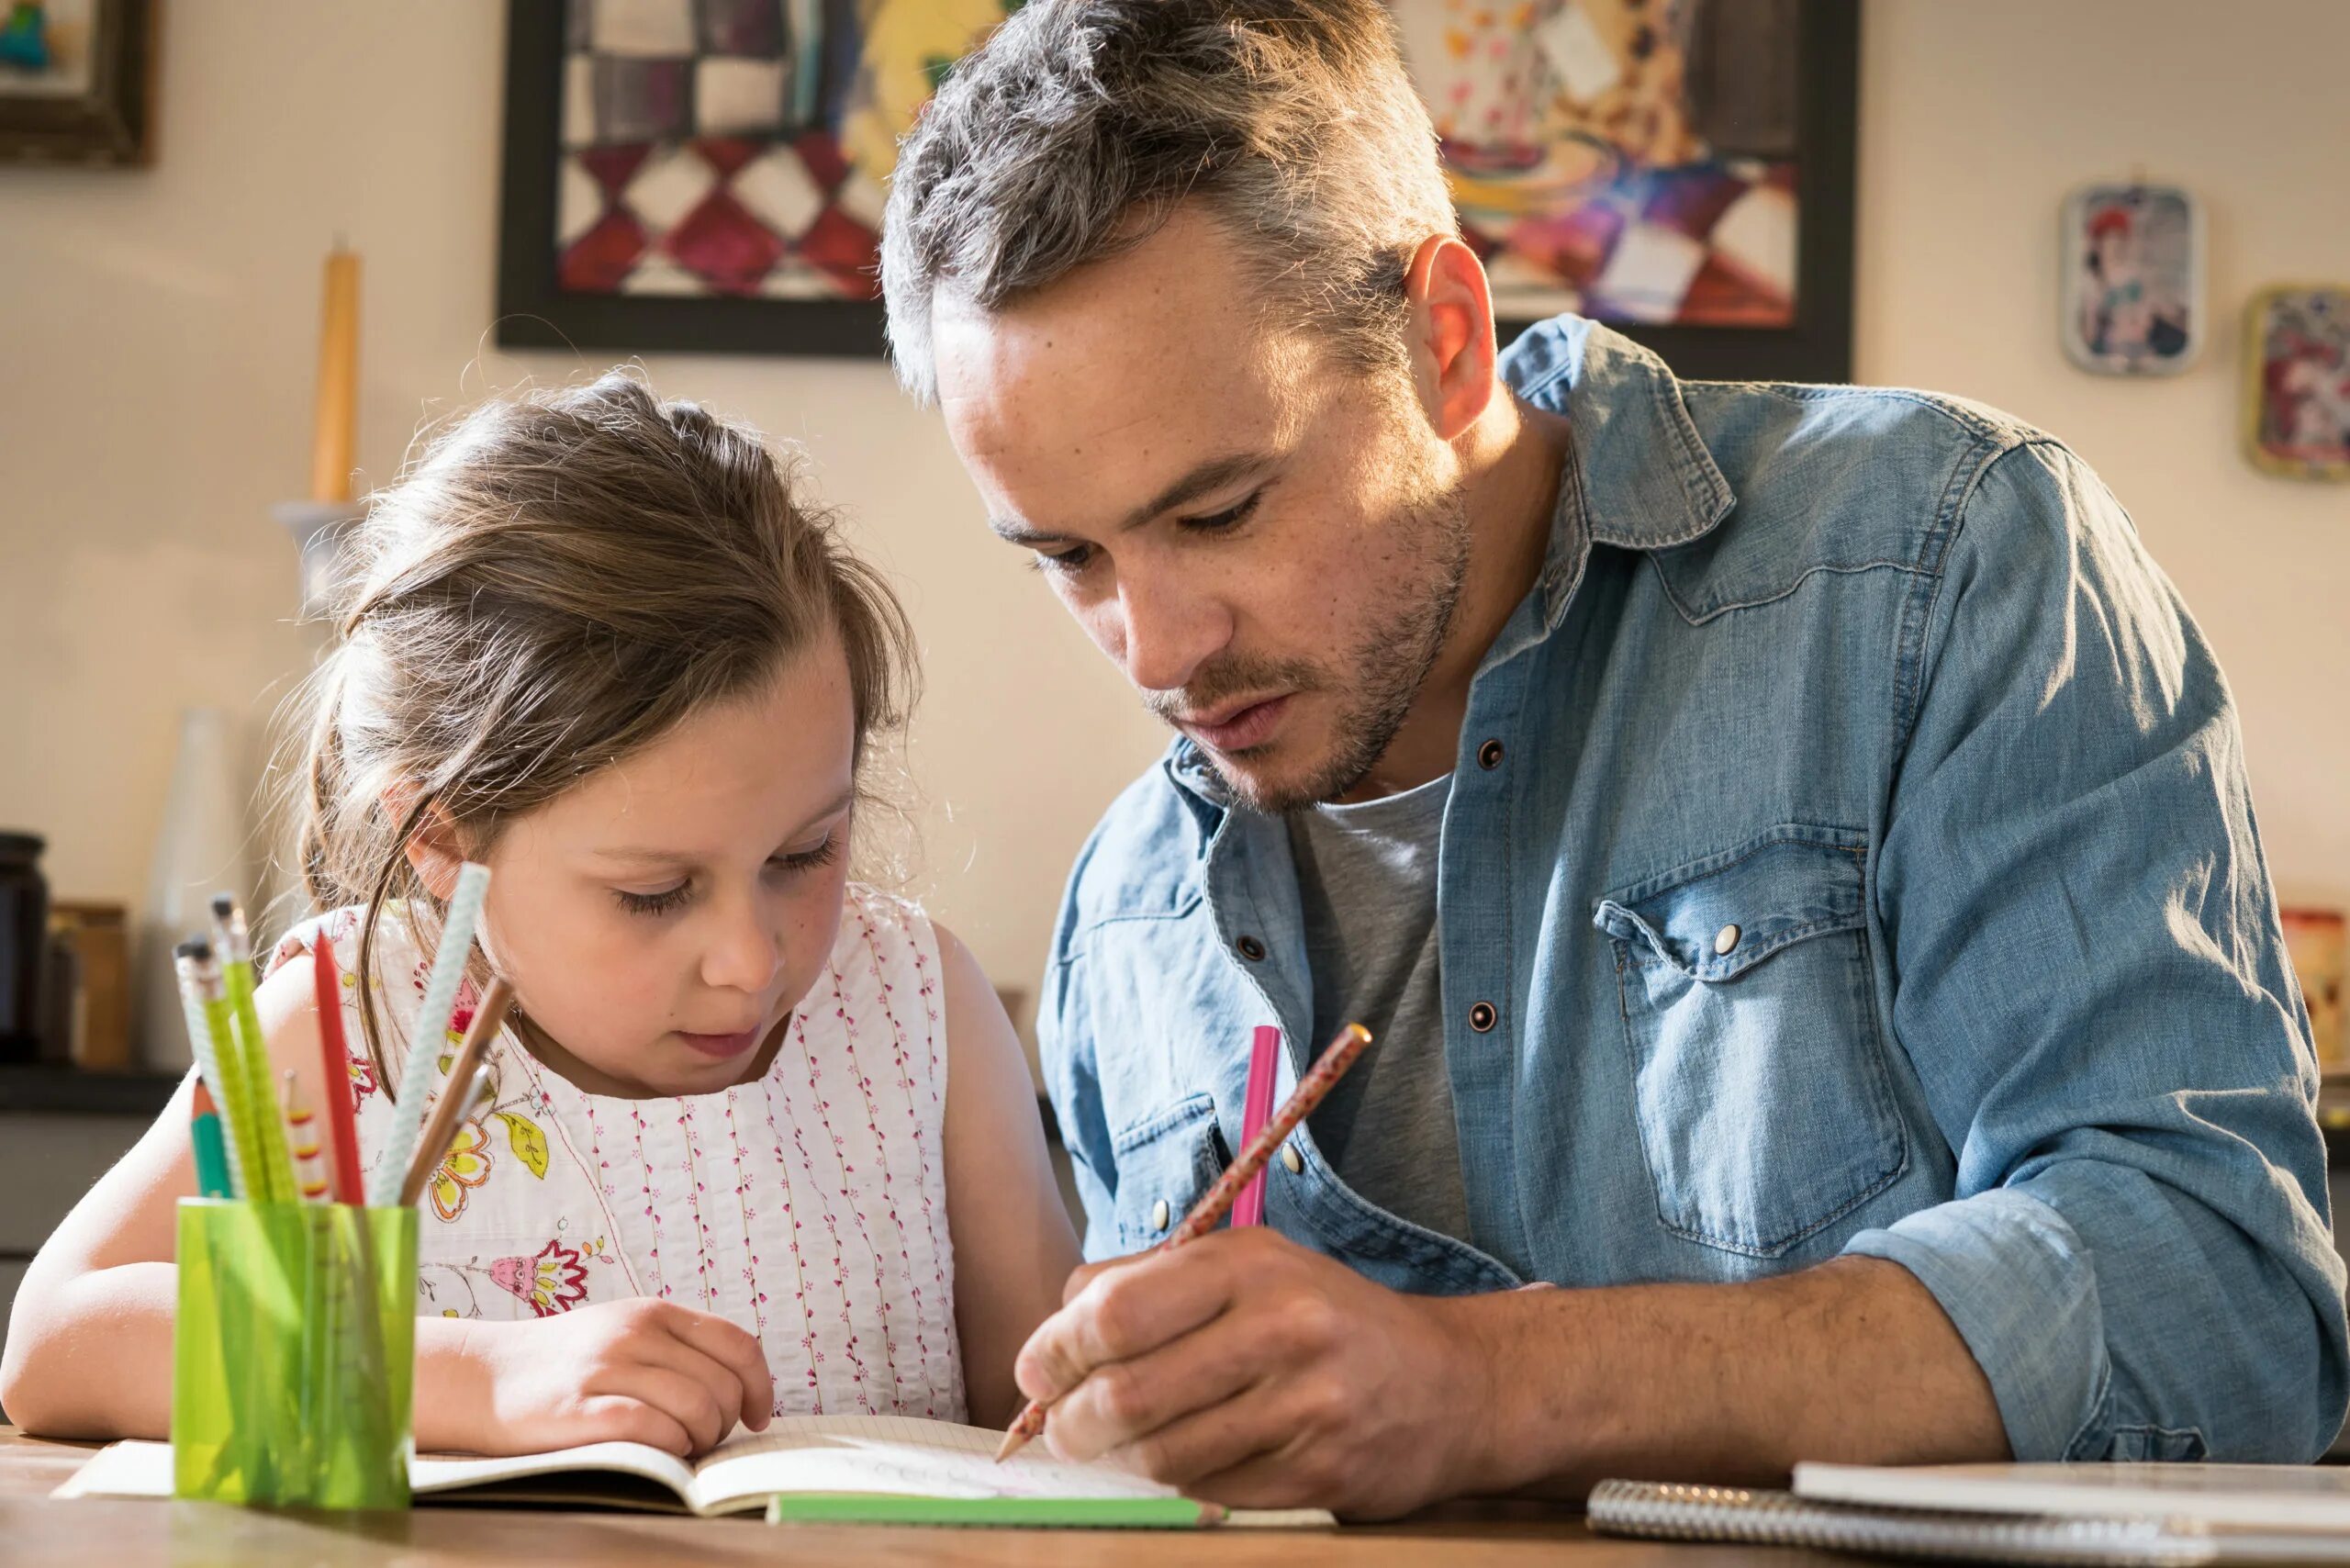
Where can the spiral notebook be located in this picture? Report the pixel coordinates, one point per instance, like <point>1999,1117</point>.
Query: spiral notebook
<point>1668,1511</point>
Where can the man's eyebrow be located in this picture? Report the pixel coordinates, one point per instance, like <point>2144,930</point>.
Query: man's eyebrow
<point>1207,479</point>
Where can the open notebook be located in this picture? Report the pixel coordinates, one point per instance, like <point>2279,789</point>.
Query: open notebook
<point>874,1456</point>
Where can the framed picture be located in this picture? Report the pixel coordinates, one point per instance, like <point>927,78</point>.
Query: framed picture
<point>1680,170</point>
<point>708,174</point>
<point>2296,381</point>
<point>76,80</point>
<point>2133,279</point>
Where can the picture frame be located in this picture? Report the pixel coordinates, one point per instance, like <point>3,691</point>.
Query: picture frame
<point>2132,291</point>
<point>580,267</point>
<point>2295,392</point>
<point>77,82</point>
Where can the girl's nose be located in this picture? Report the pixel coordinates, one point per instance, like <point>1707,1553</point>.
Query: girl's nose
<point>743,953</point>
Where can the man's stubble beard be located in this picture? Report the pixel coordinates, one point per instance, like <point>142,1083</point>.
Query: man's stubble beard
<point>1382,675</point>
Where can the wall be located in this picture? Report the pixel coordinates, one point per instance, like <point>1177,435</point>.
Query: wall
<point>1975,121</point>
<point>158,330</point>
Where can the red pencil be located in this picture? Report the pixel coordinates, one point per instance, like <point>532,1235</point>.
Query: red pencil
<point>334,1061</point>
<point>1217,1201</point>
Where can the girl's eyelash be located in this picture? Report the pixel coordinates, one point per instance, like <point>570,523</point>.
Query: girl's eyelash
<point>653,904</point>
<point>675,898</point>
<point>808,859</point>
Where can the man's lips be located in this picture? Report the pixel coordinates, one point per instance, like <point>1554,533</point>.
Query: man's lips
<point>1237,727</point>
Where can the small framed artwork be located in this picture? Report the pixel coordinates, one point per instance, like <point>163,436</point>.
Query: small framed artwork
<point>76,80</point>
<point>2296,381</point>
<point>2315,941</point>
<point>2133,279</point>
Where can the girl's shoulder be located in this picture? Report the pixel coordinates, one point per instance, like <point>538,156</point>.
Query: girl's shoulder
<point>880,925</point>
<point>393,951</point>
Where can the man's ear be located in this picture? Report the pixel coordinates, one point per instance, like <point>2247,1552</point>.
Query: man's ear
<point>1452,333</point>
<point>432,849</point>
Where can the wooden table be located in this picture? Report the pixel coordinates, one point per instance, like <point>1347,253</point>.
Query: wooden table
<point>37,1533</point>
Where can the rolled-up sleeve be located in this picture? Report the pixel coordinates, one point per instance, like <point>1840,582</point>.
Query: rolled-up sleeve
<point>2092,988</point>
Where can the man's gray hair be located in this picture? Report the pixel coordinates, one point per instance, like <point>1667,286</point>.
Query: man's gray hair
<point>1072,133</point>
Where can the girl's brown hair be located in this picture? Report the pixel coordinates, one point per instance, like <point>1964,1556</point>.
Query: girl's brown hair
<point>555,580</point>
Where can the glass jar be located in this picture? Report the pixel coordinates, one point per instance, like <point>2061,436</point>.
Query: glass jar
<point>24,944</point>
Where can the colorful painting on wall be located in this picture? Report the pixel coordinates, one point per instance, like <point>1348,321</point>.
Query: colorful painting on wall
<point>74,80</point>
<point>2133,279</point>
<point>1682,168</point>
<point>2296,381</point>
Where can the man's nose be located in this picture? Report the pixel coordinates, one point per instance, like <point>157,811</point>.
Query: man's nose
<point>1166,633</point>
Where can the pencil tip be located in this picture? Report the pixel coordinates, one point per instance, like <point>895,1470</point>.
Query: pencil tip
<point>203,1101</point>
<point>1012,1444</point>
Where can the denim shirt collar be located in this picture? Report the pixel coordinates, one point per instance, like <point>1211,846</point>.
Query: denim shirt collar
<point>1638,477</point>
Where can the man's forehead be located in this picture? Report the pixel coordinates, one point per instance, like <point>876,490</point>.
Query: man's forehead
<point>1073,430</point>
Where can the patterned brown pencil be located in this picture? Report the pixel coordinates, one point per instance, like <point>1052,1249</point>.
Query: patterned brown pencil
<point>1217,1201</point>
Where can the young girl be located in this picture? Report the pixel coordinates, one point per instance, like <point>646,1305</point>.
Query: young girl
<point>762,1140</point>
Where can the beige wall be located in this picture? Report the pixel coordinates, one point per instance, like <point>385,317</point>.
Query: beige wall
<point>157,333</point>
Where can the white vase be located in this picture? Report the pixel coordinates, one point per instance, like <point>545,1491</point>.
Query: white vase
<point>199,852</point>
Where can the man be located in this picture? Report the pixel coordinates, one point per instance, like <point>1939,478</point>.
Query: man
<point>1789,842</point>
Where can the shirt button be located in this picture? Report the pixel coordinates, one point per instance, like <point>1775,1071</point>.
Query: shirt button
<point>1725,940</point>
<point>1481,1016</point>
<point>1489,756</point>
<point>1251,949</point>
<point>1159,1215</point>
<point>1291,1161</point>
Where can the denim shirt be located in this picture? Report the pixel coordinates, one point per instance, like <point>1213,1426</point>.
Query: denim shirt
<point>1849,852</point>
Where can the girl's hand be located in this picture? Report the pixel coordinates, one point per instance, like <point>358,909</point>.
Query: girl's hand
<point>641,1370</point>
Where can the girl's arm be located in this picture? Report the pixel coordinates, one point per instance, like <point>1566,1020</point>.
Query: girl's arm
<point>89,1348</point>
<point>1013,1247</point>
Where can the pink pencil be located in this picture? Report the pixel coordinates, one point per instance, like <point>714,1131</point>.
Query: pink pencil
<point>1214,1205</point>
<point>1256,1110</point>
<point>334,1087</point>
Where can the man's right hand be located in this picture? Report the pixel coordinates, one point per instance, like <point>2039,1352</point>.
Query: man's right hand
<point>641,1370</point>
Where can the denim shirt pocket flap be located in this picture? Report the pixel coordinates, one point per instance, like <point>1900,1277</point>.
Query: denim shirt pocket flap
<point>1715,919</point>
<point>1165,1162</point>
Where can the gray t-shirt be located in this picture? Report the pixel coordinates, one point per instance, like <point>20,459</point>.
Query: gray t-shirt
<point>1367,876</point>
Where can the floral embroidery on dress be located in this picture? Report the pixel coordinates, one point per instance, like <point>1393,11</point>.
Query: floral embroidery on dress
<point>467,1165</point>
<point>555,1281</point>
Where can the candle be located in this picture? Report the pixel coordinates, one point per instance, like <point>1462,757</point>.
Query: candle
<point>337,433</point>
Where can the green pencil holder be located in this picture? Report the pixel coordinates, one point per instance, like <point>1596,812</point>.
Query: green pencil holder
<point>294,1354</point>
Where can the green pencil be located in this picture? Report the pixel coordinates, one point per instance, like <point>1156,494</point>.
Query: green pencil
<point>999,1513</point>
<point>236,954</point>
<point>211,1152</point>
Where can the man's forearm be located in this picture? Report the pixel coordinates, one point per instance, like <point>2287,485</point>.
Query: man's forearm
<point>1852,1361</point>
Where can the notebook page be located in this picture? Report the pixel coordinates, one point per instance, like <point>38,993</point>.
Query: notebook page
<point>894,1455</point>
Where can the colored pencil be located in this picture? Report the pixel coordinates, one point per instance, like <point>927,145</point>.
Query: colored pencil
<point>457,1090</point>
<point>1217,1201</point>
<point>302,1135</point>
<point>233,948</point>
<point>335,1082</point>
<point>210,1149</point>
<point>184,960</point>
<point>431,1030</point>
<point>1256,1110</point>
<point>245,1105</point>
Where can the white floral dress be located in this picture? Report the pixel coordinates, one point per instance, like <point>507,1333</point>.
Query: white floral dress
<point>809,1207</point>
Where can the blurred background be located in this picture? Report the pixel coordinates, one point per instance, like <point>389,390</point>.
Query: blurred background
<point>2073,209</point>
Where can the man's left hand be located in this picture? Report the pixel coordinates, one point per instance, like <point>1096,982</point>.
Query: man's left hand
<point>1248,1371</point>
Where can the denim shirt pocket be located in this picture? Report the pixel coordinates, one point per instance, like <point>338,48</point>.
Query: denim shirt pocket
<point>1165,1162</point>
<point>1759,1086</point>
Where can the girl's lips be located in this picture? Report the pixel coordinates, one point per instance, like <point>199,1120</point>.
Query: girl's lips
<point>719,1047</point>
<point>1246,728</point>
